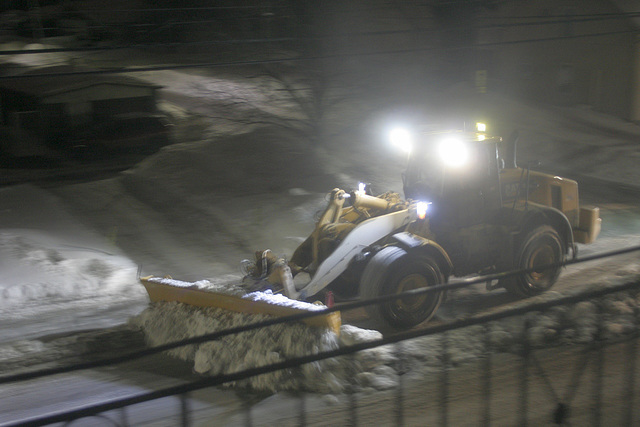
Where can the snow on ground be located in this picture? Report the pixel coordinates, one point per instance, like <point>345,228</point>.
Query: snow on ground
<point>35,60</point>
<point>169,322</point>
<point>36,267</point>
<point>377,368</point>
<point>49,262</point>
<point>195,209</point>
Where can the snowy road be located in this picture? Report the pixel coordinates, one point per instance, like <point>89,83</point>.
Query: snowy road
<point>72,391</point>
<point>421,399</point>
<point>194,213</point>
<point>75,390</point>
<point>73,311</point>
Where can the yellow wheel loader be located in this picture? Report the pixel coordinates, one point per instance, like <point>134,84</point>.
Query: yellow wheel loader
<point>468,208</point>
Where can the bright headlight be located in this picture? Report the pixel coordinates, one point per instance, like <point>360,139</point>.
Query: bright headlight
<point>421,209</point>
<point>402,139</point>
<point>453,152</point>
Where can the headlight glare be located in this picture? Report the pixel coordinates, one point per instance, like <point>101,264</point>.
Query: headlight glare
<point>421,209</point>
<point>453,153</point>
<point>402,139</point>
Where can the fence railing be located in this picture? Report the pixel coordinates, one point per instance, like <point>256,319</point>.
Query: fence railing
<point>524,351</point>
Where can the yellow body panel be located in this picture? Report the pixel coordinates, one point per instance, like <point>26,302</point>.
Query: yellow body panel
<point>559,193</point>
<point>188,293</point>
<point>550,190</point>
<point>590,225</point>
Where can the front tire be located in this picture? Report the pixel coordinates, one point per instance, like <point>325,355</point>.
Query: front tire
<point>392,271</point>
<point>540,248</point>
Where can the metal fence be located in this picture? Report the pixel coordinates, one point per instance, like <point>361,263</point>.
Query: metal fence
<point>523,381</point>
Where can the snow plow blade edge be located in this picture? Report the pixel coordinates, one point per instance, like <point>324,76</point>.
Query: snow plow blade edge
<point>187,293</point>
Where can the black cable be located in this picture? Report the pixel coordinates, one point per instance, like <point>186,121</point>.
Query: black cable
<point>558,19</point>
<point>141,46</point>
<point>544,20</point>
<point>328,37</point>
<point>174,9</point>
<point>586,15</point>
<point>305,59</point>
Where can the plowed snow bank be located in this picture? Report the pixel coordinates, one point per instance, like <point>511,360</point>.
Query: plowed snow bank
<point>169,322</point>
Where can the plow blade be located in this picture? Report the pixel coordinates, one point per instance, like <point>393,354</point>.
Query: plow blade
<point>163,289</point>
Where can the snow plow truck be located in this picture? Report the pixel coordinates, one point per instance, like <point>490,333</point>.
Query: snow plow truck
<point>467,209</point>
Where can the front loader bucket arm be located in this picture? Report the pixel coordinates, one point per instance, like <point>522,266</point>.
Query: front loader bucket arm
<point>364,235</point>
<point>335,217</point>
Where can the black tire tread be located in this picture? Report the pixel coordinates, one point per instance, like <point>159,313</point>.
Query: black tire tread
<point>516,285</point>
<point>377,276</point>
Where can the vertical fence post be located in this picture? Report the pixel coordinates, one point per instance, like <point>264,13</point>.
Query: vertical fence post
<point>353,404</point>
<point>598,367</point>
<point>524,374</point>
<point>124,418</point>
<point>303,410</point>
<point>184,405</point>
<point>400,394</point>
<point>632,351</point>
<point>486,377</point>
<point>247,410</point>
<point>444,383</point>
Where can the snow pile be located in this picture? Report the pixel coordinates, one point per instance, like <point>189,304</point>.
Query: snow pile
<point>18,349</point>
<point>278,299</point>
<point>35,60</point>
<point>260,161</point>
<point>169,322</point>
<point>34,266</point>
<point>203,285</point>
<point>573,324</point>
<point>377,368</point>
<point>579,324</point>
<point>237,290</point>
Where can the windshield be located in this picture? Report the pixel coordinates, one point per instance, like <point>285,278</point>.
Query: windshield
<point>423,178</point>
<point>430,173</point>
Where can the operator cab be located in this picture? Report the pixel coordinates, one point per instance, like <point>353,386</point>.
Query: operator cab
<point>445,163</point>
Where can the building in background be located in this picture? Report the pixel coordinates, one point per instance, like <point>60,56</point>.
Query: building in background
<point>75,110</point>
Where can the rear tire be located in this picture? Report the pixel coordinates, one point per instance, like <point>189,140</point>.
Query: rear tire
<point>392,271</point>
<point>541,247</point>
